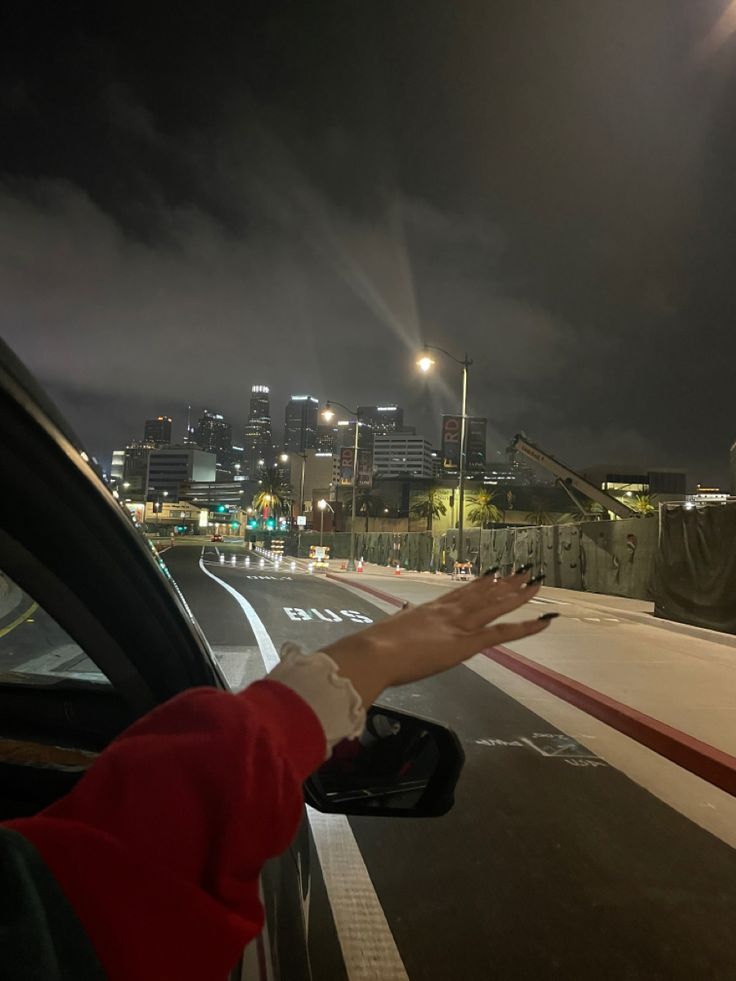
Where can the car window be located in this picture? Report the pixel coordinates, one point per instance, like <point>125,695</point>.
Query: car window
<point>34,649</point>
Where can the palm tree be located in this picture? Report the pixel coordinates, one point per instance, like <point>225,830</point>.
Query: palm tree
<point>273,494</point>
<point>369,504</point>
<point>539,515</point>
<point>484,511</point>
<point>430,506</point>
<point>643,504</point>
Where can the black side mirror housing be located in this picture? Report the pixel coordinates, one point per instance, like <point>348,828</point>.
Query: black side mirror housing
<point>402,766</point>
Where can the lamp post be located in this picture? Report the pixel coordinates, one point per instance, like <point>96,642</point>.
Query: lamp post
<point>328,415</point>
<point>322,505</point>
<point>285,458</point>
<point>425,363</point>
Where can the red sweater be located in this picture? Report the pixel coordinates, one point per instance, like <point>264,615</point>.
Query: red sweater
<point>159,846</point>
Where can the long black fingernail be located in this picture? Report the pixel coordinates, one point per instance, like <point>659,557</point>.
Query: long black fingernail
<point>522,569</point>
<point>535,579</point>
<point>492,571</point>
<point>549,616</point>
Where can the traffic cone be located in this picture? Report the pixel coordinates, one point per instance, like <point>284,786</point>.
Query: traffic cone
<point>397,570</point>
<point>343,566</point>
<point>360,565</point>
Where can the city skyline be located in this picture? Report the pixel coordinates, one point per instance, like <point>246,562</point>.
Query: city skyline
<point>564,216</point>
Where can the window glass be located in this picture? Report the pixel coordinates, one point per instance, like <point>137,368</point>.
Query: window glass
<point>33,647</point>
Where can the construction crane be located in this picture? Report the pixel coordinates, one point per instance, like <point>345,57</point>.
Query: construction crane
<point>569,479</point>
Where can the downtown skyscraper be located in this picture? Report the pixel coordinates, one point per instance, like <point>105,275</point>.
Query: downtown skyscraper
<point>258,434</point>
<point>300,426</point>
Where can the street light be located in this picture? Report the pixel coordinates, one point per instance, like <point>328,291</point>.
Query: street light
<point>322,504</point>
<point>328,415</point>
<point>425,363</point>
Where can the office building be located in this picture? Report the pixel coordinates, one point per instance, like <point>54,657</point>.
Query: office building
<point>116,467</point>
<point>215,435</point>
<point>326,440</point>
<point>321,475</point>
<point>402,454</point>
<point>383,419</point>
<point>258,436</point>
<point>129,467</point>
<point>158,431</point>
<point>625,482</point>
<point>170,467</point>
<point>300,428</point>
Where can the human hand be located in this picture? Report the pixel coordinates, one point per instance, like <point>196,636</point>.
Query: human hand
<point>424,640</point>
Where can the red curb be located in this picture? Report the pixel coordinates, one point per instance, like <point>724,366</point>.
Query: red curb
<point>705,761</point>
<point>702,759</point>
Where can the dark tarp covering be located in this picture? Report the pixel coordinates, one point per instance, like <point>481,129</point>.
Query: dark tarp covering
<point>695,568</point>
<point>615,557</point>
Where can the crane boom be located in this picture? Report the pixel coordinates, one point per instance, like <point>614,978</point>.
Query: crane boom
<point>570,478</point>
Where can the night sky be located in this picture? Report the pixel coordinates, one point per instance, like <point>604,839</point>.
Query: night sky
<point>202,197</point>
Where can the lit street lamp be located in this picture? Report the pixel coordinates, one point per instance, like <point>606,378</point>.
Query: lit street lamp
<point>425,364</point>
<point>328,415</point>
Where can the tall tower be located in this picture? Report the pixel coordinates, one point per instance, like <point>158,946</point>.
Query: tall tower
<point>258,437</point>
<point>300,427</point>
<point>214,435</point>
<point>158,431</point>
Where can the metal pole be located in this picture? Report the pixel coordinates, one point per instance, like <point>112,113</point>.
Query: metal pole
<point>461,487</point>
<point>351,560</point>
<point>321,525</point>
<point>301,507</point>
<point>301,485</point>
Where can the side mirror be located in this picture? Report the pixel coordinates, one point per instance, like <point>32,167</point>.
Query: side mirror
<point>402,766</point>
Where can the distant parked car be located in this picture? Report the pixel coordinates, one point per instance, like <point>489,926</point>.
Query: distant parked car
<point>216,538</point>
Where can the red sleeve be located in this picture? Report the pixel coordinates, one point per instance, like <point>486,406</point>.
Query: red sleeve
<point>160,845</point>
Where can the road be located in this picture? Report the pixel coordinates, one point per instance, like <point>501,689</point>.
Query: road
<point>32,643</point>
<point>552,864</point>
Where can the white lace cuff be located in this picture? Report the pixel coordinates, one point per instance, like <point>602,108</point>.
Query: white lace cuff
<point>332,698</point>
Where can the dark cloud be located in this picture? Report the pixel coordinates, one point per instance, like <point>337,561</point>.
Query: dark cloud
<point>299,194</point>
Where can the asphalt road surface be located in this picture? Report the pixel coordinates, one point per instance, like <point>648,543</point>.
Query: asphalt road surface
<point>552,864</point>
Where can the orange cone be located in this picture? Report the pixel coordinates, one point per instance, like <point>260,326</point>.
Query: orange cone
<point>397,570</point>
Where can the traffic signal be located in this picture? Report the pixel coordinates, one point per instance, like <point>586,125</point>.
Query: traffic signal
<point>270,524</point>
<point>221,508</point>
<point>235,525</point>
<point>253,523</point>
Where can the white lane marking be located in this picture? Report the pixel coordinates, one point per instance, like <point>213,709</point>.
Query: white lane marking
<point>367,944</point>
<point>265,644</point>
